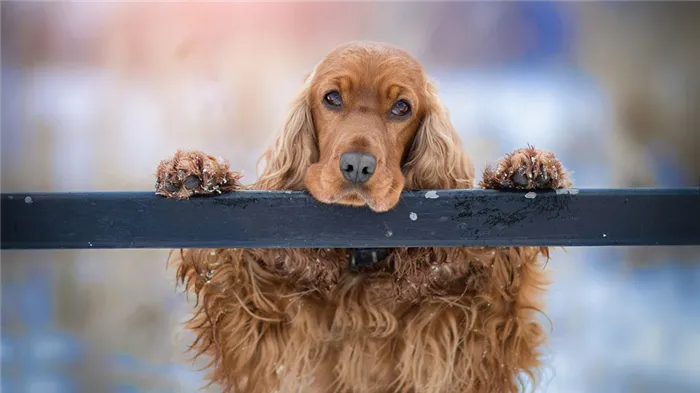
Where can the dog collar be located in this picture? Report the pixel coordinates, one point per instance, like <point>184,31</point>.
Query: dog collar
<point>361,258</point>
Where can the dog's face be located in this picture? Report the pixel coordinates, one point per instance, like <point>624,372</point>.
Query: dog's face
<point>366,111</point>
<point>367,125</point>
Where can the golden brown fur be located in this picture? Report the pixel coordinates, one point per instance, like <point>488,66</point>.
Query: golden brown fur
<point>433,320</point>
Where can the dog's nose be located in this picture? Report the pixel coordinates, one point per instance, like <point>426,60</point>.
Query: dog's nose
<point>357,167</point>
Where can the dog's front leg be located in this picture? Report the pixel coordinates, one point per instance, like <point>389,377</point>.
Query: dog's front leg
<point>517,279</point>
<point>527,169</point>
<point>190,173</point>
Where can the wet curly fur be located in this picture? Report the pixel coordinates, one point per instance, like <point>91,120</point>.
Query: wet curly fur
<point>429,320</point>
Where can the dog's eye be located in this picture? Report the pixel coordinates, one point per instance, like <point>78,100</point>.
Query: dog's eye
<point>401,108</point>
<point>333,100</point>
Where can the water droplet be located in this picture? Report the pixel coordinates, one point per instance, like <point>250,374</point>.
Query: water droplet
<point>413,216</point>
<point>28,200</point>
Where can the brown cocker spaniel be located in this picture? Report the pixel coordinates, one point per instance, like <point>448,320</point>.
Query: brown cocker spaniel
<point>367,125</point>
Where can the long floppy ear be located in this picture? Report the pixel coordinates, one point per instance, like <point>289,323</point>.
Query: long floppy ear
<point>436,159</point>
<point>293,149</point>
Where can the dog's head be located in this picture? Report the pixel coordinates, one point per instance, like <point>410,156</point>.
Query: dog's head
<point>367,125</point>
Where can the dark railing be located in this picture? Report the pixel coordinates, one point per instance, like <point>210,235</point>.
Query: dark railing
<point>586,217</point>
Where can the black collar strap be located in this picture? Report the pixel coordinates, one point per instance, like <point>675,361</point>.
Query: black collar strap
<point>361,258</point>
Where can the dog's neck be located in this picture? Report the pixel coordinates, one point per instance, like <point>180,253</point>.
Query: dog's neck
<point>363,258</point>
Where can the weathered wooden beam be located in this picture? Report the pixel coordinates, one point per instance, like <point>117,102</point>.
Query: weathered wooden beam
<point>586,217</point>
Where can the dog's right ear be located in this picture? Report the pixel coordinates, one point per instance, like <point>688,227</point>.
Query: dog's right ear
<point>294,149</point>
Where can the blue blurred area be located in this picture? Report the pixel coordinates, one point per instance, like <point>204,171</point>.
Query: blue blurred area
<point>36,357</point>
<point>552,27</point>
<point>39,357</point>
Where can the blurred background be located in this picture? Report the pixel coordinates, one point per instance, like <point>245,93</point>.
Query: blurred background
<point>95,94</point>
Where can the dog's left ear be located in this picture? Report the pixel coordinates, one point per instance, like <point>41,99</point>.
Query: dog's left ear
<point>436,159</point>
<point>294,148</point>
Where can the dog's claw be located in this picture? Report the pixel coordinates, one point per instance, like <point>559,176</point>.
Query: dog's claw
<point>192,182</point>
<point>171,187</point>
<point>520,178</point>
<point>542,180</point>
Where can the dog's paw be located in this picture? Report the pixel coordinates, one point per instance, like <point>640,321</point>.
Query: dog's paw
<point>191,173</point>
<point>526,169</point>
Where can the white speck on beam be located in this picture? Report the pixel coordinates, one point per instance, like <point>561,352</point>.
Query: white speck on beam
<point>28,200</point>
<point>604,235</point>
<point>413,216</point>
<point>570,191</point>
<point>530,195</point>
<point>432,195</point>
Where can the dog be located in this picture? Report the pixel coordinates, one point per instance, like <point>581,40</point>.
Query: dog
<point>367,125</point>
